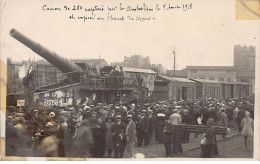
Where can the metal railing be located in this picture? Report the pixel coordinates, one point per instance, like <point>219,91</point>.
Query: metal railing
<point>51,80</point>
<point>110,82</point>
<point>93,81</point>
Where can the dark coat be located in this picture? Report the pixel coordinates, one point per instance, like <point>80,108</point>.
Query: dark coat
<point>159,126</point>
<point>167,133</point>
<point>143,124</point>
<point>151,124</point>
<point>117,129</point>
<point>99,132</point>
<point>13,141</point>
<point>211,136</point>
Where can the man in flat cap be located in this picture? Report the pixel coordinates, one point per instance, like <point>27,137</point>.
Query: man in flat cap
<point>143,126</point>
<point>119,130</point>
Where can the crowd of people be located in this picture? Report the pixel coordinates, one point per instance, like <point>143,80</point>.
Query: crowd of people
<point>114,130</point>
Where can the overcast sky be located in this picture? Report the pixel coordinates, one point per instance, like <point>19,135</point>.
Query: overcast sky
<point>205,35</point>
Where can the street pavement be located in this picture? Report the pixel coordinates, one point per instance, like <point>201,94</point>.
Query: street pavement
<point>230,147</point>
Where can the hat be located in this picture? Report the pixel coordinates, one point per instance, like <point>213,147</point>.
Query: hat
<point>133,104</point>
<point>178,107</point>
<point>118,116</point>
<point>10,117</point>
<point>86,107</point>
<point>65,113</point>
<point>35,110</point>
<point>147,104</point>
<point>49,124</point>
<point>143,111</point>
<point>52,114</point>
<point>161,115</point>
<point>129,116</point>
<point>71,109</point>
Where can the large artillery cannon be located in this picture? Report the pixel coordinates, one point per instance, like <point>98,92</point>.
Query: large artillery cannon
<point>63,64</point>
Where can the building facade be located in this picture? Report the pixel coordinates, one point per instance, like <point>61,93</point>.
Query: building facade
<point>216,73</point>
<point>173,88</point>
<point>137,61</point>
<point>244,63</point>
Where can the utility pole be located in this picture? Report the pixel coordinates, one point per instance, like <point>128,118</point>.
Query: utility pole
<point>174,64</point>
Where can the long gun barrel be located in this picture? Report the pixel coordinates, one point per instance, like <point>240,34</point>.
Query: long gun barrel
<point>63,64</point>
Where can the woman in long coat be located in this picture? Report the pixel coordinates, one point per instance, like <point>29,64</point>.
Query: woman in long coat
<point>109,137</point>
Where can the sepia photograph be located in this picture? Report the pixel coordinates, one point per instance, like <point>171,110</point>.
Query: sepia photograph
<point>129,80</point>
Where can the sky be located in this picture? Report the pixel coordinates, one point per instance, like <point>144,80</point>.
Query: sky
<point>203,35</point>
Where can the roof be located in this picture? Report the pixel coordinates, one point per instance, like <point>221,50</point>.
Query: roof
<point>177,79</point>
<point>229,68</point>
<point>241,83</point>
<point>138,70</point>
<point>205,81</point>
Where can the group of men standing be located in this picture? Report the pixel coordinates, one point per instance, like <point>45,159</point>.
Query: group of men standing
<point>114,130</point>
<point>118,133</point>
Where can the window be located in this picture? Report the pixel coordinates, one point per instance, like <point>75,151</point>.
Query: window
<point>211,78</point>
<point>221,79</point>
<point>244,81</point>
<point>229,79</point>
